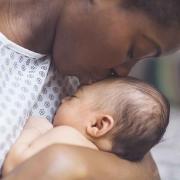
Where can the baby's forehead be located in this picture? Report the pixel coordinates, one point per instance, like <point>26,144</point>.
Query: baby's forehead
<point>105,86</point>
<point>127,87</point>
<point>121,88</point>
<point>111,85</point>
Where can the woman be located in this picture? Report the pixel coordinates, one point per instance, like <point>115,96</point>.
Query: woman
<point>92,40</point>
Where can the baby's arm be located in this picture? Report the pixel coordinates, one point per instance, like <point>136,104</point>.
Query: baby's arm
<point>60,134</point>
<point>34,128</point>
<point>41,140</point>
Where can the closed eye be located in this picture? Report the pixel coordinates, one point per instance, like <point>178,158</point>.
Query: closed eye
<point>73,96</point>
<point>130,53</point>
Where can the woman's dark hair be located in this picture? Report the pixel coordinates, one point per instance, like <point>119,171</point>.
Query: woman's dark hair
<point>164,12</point>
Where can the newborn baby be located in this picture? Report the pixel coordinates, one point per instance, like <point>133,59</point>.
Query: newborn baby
<point>125,116</point>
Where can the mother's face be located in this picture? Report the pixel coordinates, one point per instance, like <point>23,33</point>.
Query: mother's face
<point>97,37</point>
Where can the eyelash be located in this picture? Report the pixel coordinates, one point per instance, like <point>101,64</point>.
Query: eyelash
<point>130,52</point>
<point>73,96</point>
<point>91,1</point>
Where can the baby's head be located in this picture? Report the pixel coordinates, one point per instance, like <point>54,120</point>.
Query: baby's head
<point>124,116</point>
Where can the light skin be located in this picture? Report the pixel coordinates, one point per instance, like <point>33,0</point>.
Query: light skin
<point>88,34</point>
<point>39,134</point>
<point>76,122</point>
<point>79,121</point>
<point>92,122</point>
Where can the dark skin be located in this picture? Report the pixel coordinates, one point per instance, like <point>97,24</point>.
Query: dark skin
<point>86,38</point>
<point>72,162</point>
<point>90,39</point>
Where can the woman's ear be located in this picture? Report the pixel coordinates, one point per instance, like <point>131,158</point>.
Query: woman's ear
<point>100,126</point>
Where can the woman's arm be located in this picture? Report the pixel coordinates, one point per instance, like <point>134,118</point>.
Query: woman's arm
<point>68,162</point>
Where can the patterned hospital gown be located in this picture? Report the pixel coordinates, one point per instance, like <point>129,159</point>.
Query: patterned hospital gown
<point>29,86</point>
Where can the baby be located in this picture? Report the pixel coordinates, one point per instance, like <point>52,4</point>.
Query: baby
<point>124,116</point>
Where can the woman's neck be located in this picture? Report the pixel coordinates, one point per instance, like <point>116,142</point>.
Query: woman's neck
<point>29,23</point>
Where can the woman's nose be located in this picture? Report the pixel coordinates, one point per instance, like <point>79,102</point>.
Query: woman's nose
<point>124,69</point>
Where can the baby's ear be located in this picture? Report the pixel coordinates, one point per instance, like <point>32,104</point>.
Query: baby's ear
<point>100,126</point>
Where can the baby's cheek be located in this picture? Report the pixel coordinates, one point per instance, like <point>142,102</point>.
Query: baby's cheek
<point>61,117</point>
<point>57,118</point>
<point>56,121</point>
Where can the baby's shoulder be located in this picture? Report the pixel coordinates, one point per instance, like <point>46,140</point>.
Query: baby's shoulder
<point>38,123</point>
<point>70,135</point>
<point>67,130</point>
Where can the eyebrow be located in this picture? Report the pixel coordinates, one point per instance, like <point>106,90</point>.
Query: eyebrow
<point>80,88</point>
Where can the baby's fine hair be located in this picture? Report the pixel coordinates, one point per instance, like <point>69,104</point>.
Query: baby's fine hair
<point>141,115</point>
<point>164,12</point>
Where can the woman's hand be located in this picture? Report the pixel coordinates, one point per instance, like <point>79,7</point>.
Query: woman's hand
<point>67,162</point>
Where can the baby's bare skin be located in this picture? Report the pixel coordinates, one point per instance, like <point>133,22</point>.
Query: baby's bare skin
<point>37,135</point>
<point>84,119</point>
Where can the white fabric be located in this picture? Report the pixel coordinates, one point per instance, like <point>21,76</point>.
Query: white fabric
<point>54,89</point>
<point>28,86</point>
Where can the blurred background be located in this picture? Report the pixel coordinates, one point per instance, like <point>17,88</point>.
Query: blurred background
<point>164,74</point>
